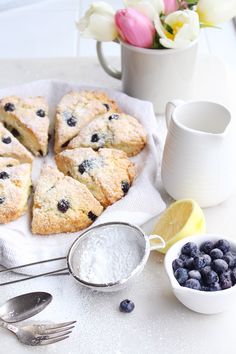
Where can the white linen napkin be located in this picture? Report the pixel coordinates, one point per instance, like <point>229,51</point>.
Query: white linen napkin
<point>18,246</point>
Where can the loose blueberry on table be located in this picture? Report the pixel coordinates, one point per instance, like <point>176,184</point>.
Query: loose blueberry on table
<point>126,306</point>
<point>210,267</point>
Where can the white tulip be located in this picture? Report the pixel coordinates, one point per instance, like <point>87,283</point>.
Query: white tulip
<point>150,8</point>
<point>99,22</point>
<point>184,29</point>
<point>212,12</point>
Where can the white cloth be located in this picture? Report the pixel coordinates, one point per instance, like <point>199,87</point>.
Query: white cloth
<point>18,246</point>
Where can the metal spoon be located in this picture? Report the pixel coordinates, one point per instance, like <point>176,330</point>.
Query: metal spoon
<point>24,306</point>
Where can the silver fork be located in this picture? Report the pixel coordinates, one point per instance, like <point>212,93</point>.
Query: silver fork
<point>40,334</point>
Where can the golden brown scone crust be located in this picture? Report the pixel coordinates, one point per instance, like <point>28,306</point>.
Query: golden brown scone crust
<point>28,120</point>
<point>15,183</point>
<point>11,147</point>
<point>75,110</point>
<point>108,173</point>
<point>119,131</point>
<point>53,188</point>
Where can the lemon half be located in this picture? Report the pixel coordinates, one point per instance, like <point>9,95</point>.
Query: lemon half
<point>183,218</point>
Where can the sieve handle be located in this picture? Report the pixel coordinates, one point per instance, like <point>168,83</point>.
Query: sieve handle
<point>157,246</point>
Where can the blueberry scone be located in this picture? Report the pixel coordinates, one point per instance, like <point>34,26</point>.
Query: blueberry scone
<point>108,173</point>
<point>8,162</point>
<point>15,183</point>
<point>62,204</point>
<point>27,119</point>
<point>117,130</point>
<point>11,147</point>
<point>76,109</point>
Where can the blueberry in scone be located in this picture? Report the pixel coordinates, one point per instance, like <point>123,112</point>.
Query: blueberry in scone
<point>119,131</point>
<point>15,183</point>
<point>11,147</point>
<point>76,109</point>
<point>62,204</point>
<point>27,119</point>
<point>108,173</point>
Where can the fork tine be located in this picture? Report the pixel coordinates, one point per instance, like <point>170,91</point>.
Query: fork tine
<point>51,341</point>
<point>55,335</point>
<point>58,325</point>
<point>56,330</point>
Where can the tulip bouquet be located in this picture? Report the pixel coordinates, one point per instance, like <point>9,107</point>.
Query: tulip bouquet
<point>155,23</point>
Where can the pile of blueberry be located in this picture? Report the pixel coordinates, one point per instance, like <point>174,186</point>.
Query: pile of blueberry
<point>211,267</point>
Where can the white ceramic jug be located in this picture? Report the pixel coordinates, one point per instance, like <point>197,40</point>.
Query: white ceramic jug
<point>199,154</point>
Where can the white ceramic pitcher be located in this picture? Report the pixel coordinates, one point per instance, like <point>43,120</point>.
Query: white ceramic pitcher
<point>198,160</point>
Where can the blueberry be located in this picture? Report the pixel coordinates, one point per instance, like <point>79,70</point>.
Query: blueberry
<point>107,106</point>
<point>219,265</point>
<point>226,284</point>
<point>188,263</point>
<point>9,107</point>
<point>193,284</point>
<point>84,166</point>
<point>126,306</point>
<point>190,249</point>
<point>63,205</point>
<point>229,259</point>
<point>205,270</point>
<point>181,275</point>
<point>225,280</point>
<point>216,253</point>
<point>215,287</point>
<point>223,245</point>
<point>65,144</point>
<point>184,257</point>
<point>2,200</point>
<point>199,262</point>
<point>206,246</point>
<point>177,263</point>
<point>15,132</point>
<point>41,113</point>
<point>71,121</point>
<point>113,116</point>
<point>233,276</point>
<point>4,175</point>
<point>94,138</point>
<point>207,259</point>
<point>6,139</point>
<point>205,288</point>
<point>125,186</point>
<point>195,274</point>
<point>92,216</point>
<point>211,277</point>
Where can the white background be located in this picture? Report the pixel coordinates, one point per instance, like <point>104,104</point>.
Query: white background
<point>47,28</point>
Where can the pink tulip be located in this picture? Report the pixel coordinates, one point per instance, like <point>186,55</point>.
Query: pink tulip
<point>135,28</point>
<point>170,6</point>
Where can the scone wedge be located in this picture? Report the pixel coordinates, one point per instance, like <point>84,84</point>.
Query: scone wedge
<point>11,147</point>
<point>118,130</point>
<point>62,204</point>
<point>15,183</point>
<point>28,121</point>
<point>76,109</point>
<point>108,173</point>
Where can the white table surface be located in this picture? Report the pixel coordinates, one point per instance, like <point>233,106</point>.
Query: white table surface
<point>159,324</point>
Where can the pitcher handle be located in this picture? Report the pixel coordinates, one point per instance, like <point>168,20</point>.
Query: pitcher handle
<point>159,245</point>
<point>107,68</point>
<point>170,107</point>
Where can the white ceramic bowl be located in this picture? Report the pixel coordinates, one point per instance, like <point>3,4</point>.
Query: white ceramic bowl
<point>200,301</point>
